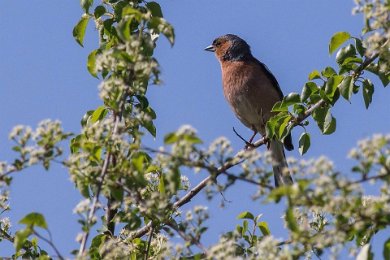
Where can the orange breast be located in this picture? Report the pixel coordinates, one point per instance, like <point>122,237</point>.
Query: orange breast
<point>249,92</point>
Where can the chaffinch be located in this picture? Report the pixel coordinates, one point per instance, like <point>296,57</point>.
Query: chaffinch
<point>251,91</point>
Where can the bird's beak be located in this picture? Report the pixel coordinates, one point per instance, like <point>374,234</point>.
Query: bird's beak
<point>210,48</point>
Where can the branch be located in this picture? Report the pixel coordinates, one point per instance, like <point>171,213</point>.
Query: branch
<point>149,242</point>
<point>93,207</point>
<point>50,242</point>
<point>188,238</point>
<point>234,177</point>
<point>6,235</point>
<point>376,177</point>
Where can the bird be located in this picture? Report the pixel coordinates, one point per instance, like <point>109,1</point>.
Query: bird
<point>251,91</point>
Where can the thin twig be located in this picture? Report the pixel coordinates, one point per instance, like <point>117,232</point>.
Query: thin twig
<point>149,242</point>
<point>235,177</point>
<point>50,242</point>
<point>379,176</point>
<point>188,238</point>
<point>6,236</point>
<point>93,207</point>
<point>242,138</point>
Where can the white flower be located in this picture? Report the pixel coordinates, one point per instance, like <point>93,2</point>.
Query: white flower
<point>82,206</point>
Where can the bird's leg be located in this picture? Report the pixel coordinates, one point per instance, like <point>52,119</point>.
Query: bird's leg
<point>247,144</point>
<point>253,136</point>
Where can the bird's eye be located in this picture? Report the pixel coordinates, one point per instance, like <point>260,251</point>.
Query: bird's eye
<point>216,43</point>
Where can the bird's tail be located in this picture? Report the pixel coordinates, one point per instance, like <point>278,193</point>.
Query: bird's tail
<point>279,164</point>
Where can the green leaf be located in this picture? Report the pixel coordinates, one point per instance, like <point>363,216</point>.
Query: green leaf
<point>245,215</point>
<point>359,47</point>
<point>127,10</point>
<point>329,124</point>
<point>328,72</point>
<point>279,107</point>
<point>299,109</point>
<point>307,90</point>
<point>283,122</point>
<point>86,4</point>
<point>117,193</point>
<point>278,193</point>
<point>319,116</point>
<point>21,238</point>
<point>79,29</point>
<point>346,87</point>
<point>98,114</point>
<point>34,219</point>
<point>91,64</point>
<point>139,160</point>
<point>304,143</point>
<point>244,227</point>
<point>155,9</point>
<point>331,86</point>
<point>291,99</point>
<point>143,101</point>
<point>386,249</point>
<point>151,112</point>
<point>270,128</point>
<point>170,138</point>
<point>291,221</point>
<point>161,185</point>
<point>86,117</point>
<point>148,125</point>
<point>95,245</point>
<point>123,29</point>
<point>83,188</point>
<point>337,40</point>
<point>315,74</point>
<point>192,139</point>
<point>345,52</point>
<point>263,226</point>
<point>239,229</point>
<point>385,78</point>
<point>368,90</point>
<point>99,11</point>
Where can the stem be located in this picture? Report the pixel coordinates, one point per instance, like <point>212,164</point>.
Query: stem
<point>188,238</point>
<point>93,207</point>
<point>50,242</point>
<point>149,242</point>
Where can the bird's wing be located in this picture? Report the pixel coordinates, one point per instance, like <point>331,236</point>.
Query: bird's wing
<point>288,140</point>
<point>271,77</point>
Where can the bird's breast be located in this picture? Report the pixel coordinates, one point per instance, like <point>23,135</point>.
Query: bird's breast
<point>249,93</point>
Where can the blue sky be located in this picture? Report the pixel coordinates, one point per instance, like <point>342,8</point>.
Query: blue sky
<point>43,75</point>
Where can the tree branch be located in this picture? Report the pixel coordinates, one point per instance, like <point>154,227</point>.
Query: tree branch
<point>188,238</point>
<point>50,242</point>
<point>149,242</point>
<point>93,207</point>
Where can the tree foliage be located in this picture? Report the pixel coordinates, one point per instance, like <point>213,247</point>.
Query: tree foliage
<point>138,191</point>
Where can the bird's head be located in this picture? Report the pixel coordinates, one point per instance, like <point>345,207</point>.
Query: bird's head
<point>230,47</point>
